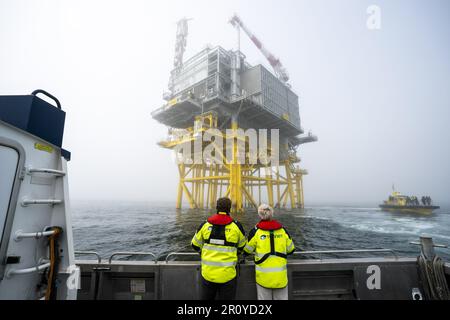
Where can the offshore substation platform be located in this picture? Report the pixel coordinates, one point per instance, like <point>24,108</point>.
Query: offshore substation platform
<point>218,91</point>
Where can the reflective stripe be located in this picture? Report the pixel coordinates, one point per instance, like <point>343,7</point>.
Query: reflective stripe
<point>249,248</point>
<point>220,249</point>
<point>270,269</point>
<point>290,247</point>
<point>217,241</point>
<point>260,255</point>
<point>219,264</point>
<point>242,242</point>
<point>200,242</point>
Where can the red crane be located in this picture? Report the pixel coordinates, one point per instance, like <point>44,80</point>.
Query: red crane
<point>280,71</point>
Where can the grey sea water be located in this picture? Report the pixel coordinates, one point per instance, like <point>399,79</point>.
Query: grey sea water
<point>107,227</point>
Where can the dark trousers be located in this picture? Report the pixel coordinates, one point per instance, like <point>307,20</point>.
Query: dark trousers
<point>224,291</point>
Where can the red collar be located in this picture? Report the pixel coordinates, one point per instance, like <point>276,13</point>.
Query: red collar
<point>269,225</point>
<point>220,219</point>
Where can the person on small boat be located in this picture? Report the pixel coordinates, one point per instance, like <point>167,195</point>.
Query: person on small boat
<point>408,201</point>
<point>219,240</point>
<point>271,244</point>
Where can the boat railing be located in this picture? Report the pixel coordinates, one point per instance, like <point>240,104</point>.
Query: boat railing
<point>172,255</point>
<point>297,253</point>
<point>434,244</point>
<point>121,253</point>
<point>126,253</point>
<point>87,253</point>
<point>321,252</point>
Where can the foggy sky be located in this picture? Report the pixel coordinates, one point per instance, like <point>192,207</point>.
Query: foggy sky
<point>379,100</point>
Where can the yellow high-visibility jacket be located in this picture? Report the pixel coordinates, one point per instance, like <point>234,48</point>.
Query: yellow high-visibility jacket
<point>219,239</point>
<point>271,244</point>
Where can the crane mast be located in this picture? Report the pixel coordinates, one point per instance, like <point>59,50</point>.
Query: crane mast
<point>180,46</point>
<point>280,71</point>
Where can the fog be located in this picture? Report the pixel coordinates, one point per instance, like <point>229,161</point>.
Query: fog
<point>379,100</point>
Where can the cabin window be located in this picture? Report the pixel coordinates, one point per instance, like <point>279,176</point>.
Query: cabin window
<point>12,157</point>
<point>9,160</point>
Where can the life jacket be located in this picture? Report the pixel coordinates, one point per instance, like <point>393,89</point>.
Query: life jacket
<point>217,235</point>
<point>270,244</point>
<point>219,239</point>
<point>270,225</point>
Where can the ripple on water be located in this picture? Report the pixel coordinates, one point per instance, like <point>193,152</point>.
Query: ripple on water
<point>107,228</point>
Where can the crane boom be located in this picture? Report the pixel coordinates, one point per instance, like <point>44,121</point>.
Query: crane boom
<point>280,71</point>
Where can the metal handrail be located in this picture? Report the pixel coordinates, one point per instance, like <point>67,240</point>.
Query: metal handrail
<point>302,252</point>
<point>35,92</point>
<point>49,171</point>
<point>27,270</point>
<point>347,251</point>
<point>434,244</point>
<point>99,259</point>
<point>155,259</point>
<point>180,254</point>
<point>27,202</point>
<point>20,235</point>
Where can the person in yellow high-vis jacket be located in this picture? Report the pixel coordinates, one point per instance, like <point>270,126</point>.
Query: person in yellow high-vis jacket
<point>271,244</point>
<point>219,240</point>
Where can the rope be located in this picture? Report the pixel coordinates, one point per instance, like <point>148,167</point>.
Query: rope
<point>433,279</point>
<point>50,293</point>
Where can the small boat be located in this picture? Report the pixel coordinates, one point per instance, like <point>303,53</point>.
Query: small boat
<point>408,204</point>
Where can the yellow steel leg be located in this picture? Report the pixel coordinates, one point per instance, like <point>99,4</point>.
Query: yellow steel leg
<point>193,183</point>
<point>278,187</point>
<point>202,187</point>
<point>297,192</point>
<point>301,192</point>
<point>259,186</point>
<point>249,197</point>
<point>189,197</point>
<point>181,170</point>
<point>235,174</point>
<point>269,186</point>
<point>289,183</point>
